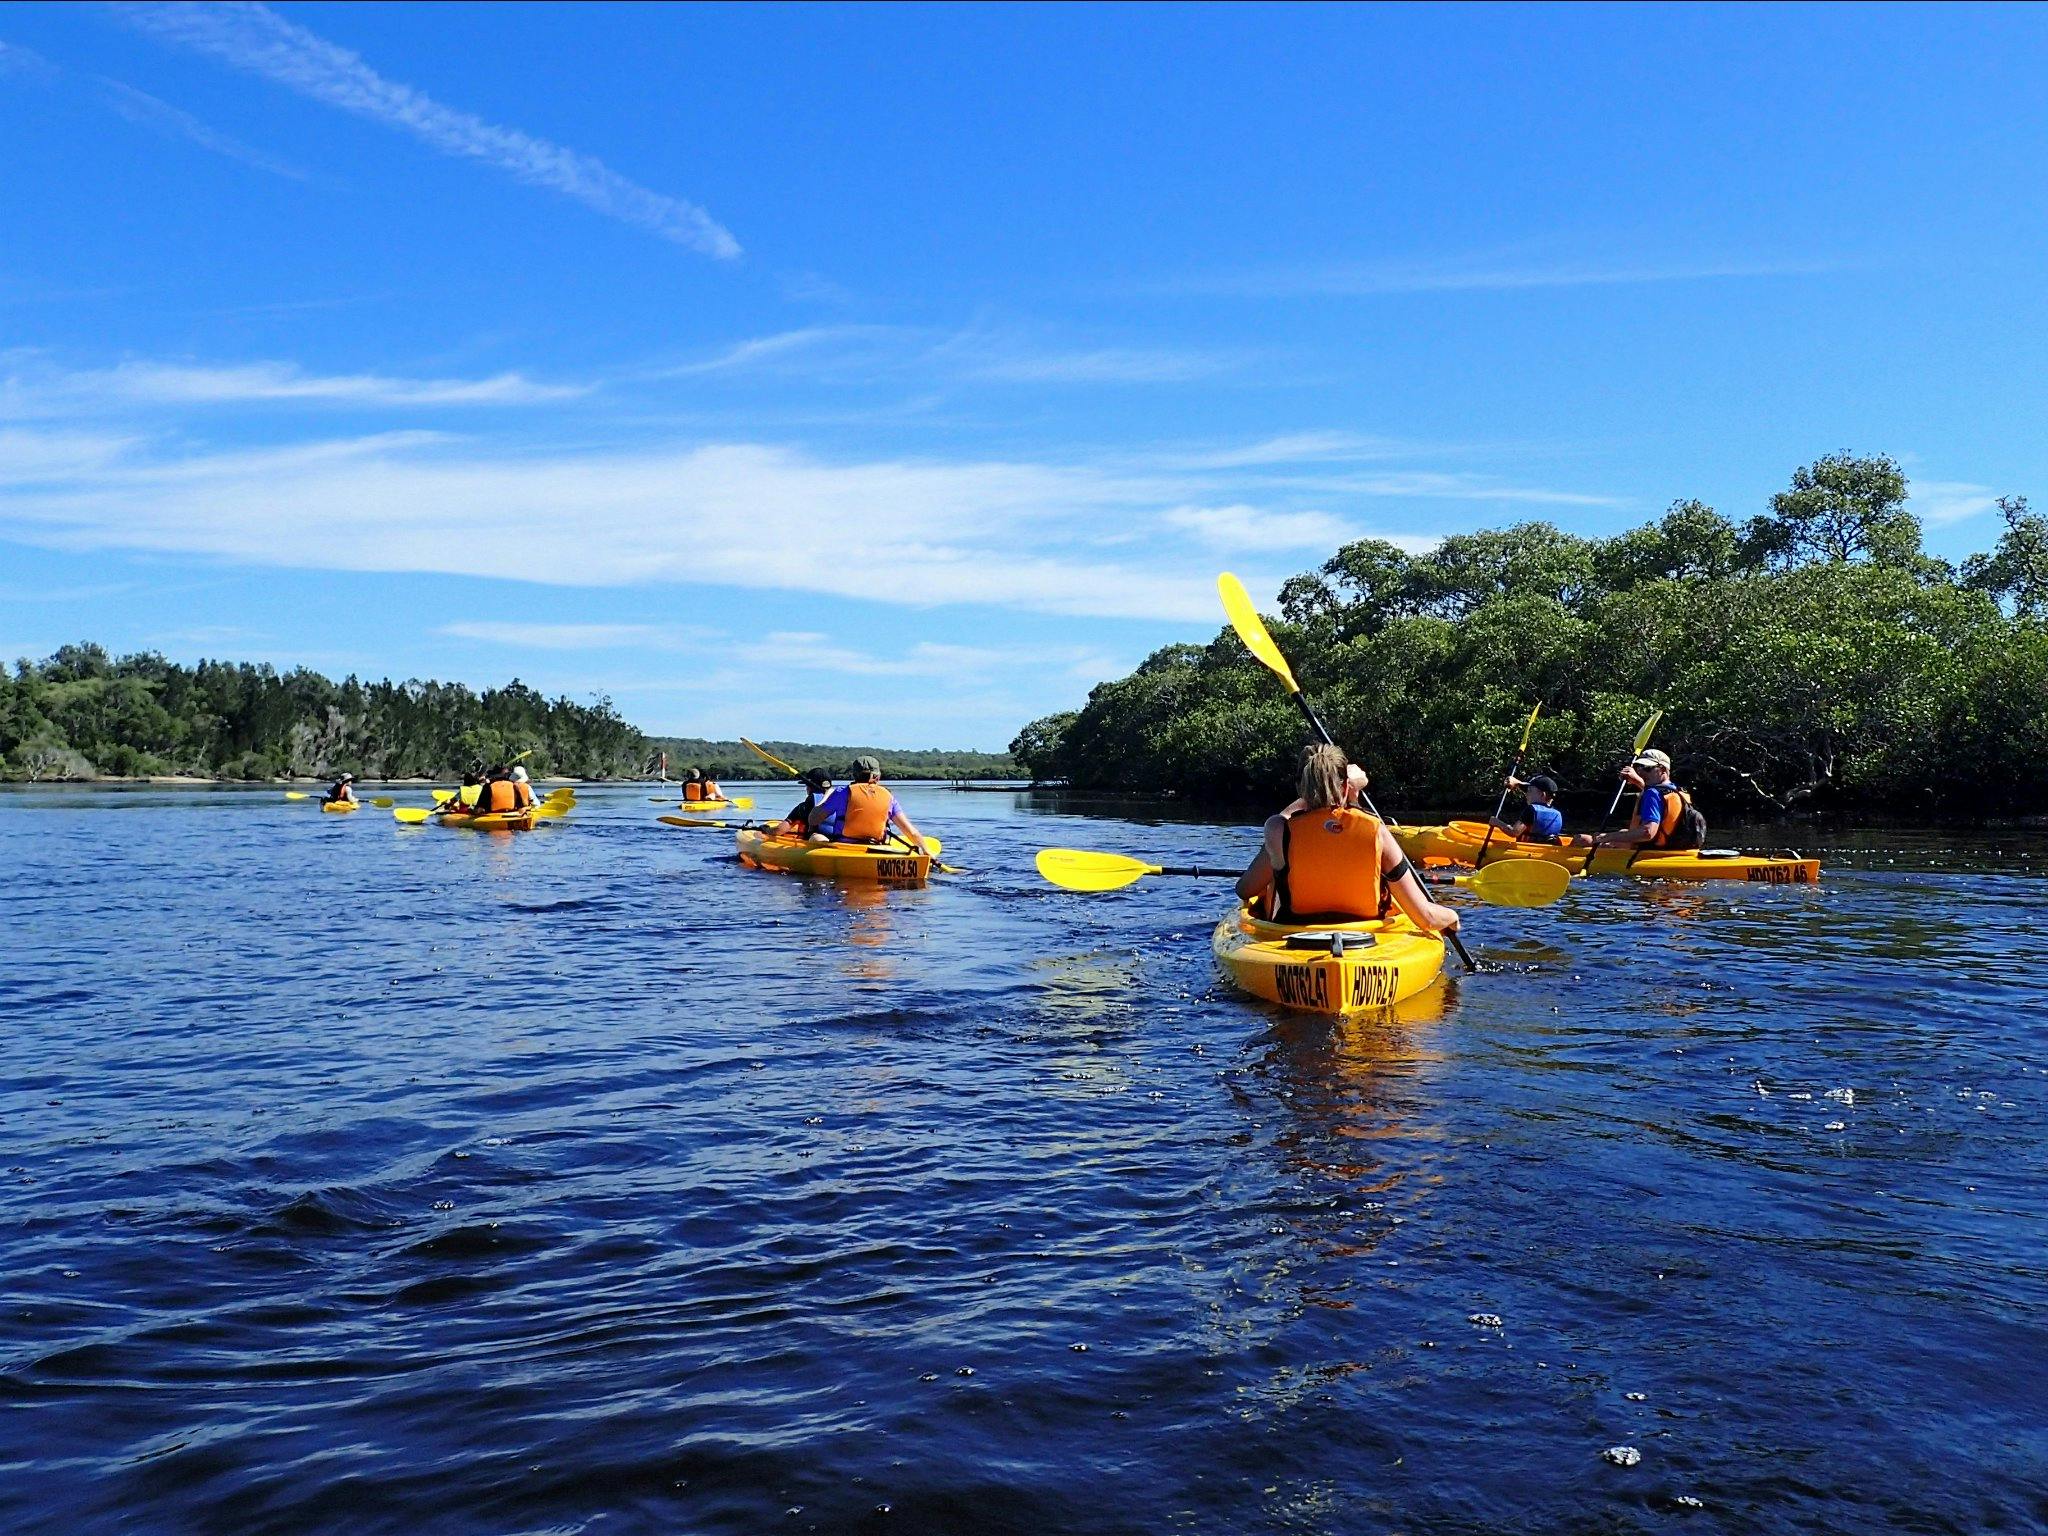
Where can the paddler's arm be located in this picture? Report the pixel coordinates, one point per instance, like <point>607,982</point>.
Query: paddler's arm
<point>903,824</point>
<point>1406,885</point>
<point>1256,883</point>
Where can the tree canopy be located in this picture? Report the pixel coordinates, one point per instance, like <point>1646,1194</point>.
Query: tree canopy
<point>1811,655</point>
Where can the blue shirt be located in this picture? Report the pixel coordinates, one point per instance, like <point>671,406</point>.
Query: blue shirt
<point>1651,811</point>
<point>1546,822</point>
<point>835,811</point>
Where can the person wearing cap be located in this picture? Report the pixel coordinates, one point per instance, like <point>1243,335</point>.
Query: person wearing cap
<point>343,790</point>
<point>500,792</point>
<point>861,811</point>
<point>798,822</point>
<point>1665,814</point>
<point>522,790</point>
<point>1540,821</point>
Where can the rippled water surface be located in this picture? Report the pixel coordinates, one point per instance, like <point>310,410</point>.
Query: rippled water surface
<point>364,1178</point>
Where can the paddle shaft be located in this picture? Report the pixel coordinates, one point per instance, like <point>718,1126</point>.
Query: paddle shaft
<point>1315,721</point>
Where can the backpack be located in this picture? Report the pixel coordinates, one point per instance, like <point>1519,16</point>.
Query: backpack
<point>1691,830</point>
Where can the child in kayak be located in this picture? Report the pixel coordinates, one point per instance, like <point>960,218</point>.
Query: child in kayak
<point>1330,861</point>
<point>798,822</point>
<point>343,790</point>
<point>861,811</point>
<point>1540,820</point>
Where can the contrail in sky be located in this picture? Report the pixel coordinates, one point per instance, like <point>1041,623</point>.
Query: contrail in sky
<point>251,36</point>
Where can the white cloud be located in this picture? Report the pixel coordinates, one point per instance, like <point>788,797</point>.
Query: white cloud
<point>1950,501</point>
<point>255,38</point>
<point>28,391</point>
<point>1240,527</point>
<point>1498,272</point>
<point>159,116</point>
<point>1102,365</point>
<point>581,637</point>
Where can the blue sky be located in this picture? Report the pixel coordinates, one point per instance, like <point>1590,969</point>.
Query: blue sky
<point>898,373</point>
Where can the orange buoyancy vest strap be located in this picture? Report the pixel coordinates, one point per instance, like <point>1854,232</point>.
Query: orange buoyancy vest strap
<point>499,795</point>
<point>1670,814</point>
<point>867,814</point>
<point>1333,863</point>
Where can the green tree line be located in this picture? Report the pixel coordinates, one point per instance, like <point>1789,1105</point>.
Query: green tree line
<point>83,714</point>
<point>731,760</point>
<point>1811,656</point>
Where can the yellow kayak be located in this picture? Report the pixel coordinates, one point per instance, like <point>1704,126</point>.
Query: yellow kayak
<point>1459,842</point>
<point>503,821</point>
<point>741,804</point>
<point>887,863</point>
<point>1328,968</point>
<point>339,806</point>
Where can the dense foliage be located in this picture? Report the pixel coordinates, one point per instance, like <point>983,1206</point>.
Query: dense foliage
<point>84,713</point>
<point>731,760</point>
<point>1813,655</point>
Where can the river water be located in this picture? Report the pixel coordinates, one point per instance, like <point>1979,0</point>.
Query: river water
<point>363,1178</point>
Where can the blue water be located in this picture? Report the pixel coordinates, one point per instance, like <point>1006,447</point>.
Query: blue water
<point>359,1178</point>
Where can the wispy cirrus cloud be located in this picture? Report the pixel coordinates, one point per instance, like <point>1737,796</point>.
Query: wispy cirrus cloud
<point>31,389</point>
<point>1950,501</point>
<point>252,37</point>
<point>1498,272</point>
<point>160,117</point>
<point>580,637</point>
<point>144,110</point>
<point>1239,526</point>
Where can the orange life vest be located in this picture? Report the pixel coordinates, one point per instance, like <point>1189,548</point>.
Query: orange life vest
<point>522,792</point>
<point>693,791</point>
<point>1333,864</point>
<point>499,795</point>
<point>867,814</point>
<point>1676,803</point>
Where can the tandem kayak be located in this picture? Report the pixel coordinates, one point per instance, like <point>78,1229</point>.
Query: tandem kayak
<point>338,806</point>
<point>836,861</point>
<point>1333,969</point>
<point>503,821</point>
<point>1459,842</point>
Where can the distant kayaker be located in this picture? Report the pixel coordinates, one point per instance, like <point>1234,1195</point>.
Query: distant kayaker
<point>1330,860</point>
<point>342,791</point>
<point>861,811</point>
<point>1665,815</point>
<point>500,793</point>
<point>1540,821</point>
<point>798,822</point>
<point>521,789</point>
<point>698,786</point>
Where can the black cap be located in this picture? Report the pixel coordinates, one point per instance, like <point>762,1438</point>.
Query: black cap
<point>818,778</point>
<point>1544,782</point>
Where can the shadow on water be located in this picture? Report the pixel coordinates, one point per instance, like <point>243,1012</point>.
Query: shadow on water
<point>368,1178</point>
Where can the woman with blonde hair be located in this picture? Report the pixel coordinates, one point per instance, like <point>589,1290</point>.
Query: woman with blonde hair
<point>1324,859</point>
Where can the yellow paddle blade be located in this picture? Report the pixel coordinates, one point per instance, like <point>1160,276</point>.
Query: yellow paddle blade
<point>296,794</point>
<point>411,815</point>
<point>744,803</point>
<point>1649,728</point>
<point>1078,869</point>
<point>695,821</point>
<point>1530,729</point>
<point>1251,629</point>
<point>769,757</point>
<point>1519,883</point>
<point>548,808</point>
<point>443,796</point>
<point>564,794</point>
<point>383,802</point>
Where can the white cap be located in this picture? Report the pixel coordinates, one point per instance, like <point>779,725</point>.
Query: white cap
<point>519,774</point>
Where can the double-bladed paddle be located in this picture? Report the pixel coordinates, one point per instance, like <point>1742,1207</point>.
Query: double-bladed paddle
<point>1520,752</point>
<point>1510,883</point>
